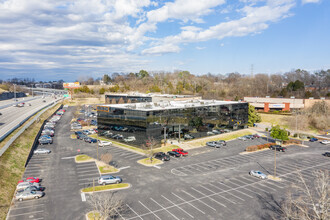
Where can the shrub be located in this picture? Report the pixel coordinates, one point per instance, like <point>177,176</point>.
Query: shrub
<point>258,147</point>
<point>292,141</point>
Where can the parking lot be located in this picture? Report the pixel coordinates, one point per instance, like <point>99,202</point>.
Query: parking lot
<point>208,184</point>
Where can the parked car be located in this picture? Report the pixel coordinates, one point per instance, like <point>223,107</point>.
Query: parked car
<point>209,133</point>
<point>180,151</point>
<point>117,136</point>
<point>327,154</point>
<point>216,131</point>
<point>325,142</point>
<point>130,138</point>
<point>162,156</point>
<point>41,151</point>
<point>256,136</point>
<point>249,137</point>
<point>25,195</point>
<point>24,185</point>
<point>108,179</point>
<point>90,140</point>
<point>222,142</point>
<point>214,144</point>
<point>313,139</point>
<point>173,154</point>
<point>258,174</point>
<point>243,138</point>
<point>50,125</point>
<point>48,132</point>
<point>31,188</point>
<point>81,136</point>
<point>188,136</point>
<point>30,179</point>
<point>45,140</point>
<point>104,143</point>
<point>278,148</point>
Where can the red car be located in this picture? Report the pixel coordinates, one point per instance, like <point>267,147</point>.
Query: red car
<point>181,151</point>
<point>30,179</point>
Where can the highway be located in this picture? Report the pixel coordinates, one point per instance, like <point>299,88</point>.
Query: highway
<point>12,116</point>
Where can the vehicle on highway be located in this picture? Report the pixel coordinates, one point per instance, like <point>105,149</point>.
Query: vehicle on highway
<point>162,156</point>
<point>41,151</point>
<point>277,148</point>
<point>30,179</point>
<point>173,154</point>
<point>104,143</point>
<point>180,151</point>
<point>188,136</point>
<point>258,174</point>
<point>45,140</point>
<point>25,195</point>
<point>130,138</point>
<point>108,179</point>
<point>327,154</point>
<point>243,138</point>
<point>23,185</point>
<point>325,142</point>
<point>313,139</point>
<point>90,140</point>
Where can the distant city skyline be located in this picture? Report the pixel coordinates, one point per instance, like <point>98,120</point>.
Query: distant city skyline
<point>52,40</point>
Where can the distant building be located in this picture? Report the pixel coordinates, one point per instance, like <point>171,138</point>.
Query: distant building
<point>117,98</point>
<point>283,104</point>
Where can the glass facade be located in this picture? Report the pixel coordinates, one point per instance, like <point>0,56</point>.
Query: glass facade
<point>118,99</point>
<point>123,124</point>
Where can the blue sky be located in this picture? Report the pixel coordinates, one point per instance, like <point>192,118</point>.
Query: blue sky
<point>51,40</point>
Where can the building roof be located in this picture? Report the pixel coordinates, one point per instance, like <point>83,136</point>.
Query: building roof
<point>137,94</point>
<point>150,106</point>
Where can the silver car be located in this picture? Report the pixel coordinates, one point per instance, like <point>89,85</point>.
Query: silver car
<point>24,185</point>
<point>41,151</point>
<point>108,179</point>
<point>25,195</point>
<point>242,138</point>
<point>258,174</point>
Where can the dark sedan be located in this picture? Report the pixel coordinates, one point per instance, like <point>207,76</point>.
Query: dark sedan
<point>162,156</point>
<point>90,140</point>
<point>173,154</point>
<point>278,148</point>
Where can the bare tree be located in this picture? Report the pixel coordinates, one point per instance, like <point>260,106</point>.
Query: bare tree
<point>308,201</point>
<point>107,205</point>
<point>149,146</point>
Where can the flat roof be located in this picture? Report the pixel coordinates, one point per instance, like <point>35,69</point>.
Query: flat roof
<point>150,106</point>
<point>137,94</point>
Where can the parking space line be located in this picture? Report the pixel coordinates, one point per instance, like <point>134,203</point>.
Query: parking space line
<point>261,183</point>
<point>166,209</point>
<point>199,165</point>
<point>86,171</point>
<point>91,178</point>
<point>197,199</point>
<point>240,191</point>
<point>186,202</point>
<point>177,206</point>
<point>185,168</point>
<point>87,174</point>
<point>149,210</point>
<point>208,197</point>
<point>226,191</point>
<point>119,214</point>
<point>87,167</point>
<point>13,208</point>
<point>248,189</point>
<point>85,164</point>
<point>27,213</point>
<point>134,212</point>
<point>218,194</point>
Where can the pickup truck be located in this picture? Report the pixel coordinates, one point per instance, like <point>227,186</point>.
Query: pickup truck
<point>181,151</point>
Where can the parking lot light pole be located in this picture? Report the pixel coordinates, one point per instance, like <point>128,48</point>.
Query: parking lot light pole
<point>275,163</point>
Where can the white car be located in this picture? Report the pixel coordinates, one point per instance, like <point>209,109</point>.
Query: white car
<point>325,142</point>
<point>41,151</point>
<point>129,139</point>
<point>243,138</point>
<point>258,174</point>
<point>104,143</point>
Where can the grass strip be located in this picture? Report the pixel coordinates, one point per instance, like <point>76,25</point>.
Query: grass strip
<point>107,169</point>
<point>106,187</point>
<point>13,160</point>
<point>118,143</point>
<point>94,215</point>
<point>83,157</point>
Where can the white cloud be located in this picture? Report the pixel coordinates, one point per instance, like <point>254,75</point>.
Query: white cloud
<point>310,1</point>
<point>200,48</point>
<point>161,49</point>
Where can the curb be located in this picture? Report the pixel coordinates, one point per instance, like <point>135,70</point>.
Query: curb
<point>129,186</point>
<point>245,152</point>
<point>150,165</point>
